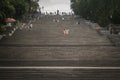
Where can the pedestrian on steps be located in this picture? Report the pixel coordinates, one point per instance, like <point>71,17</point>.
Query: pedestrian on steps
<point>66,31</point>
<point>30,25</point>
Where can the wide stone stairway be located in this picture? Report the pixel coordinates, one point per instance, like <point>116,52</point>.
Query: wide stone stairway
<point>43,52</point>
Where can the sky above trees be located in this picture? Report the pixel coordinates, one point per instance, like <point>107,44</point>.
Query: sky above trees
<point>53,5</point>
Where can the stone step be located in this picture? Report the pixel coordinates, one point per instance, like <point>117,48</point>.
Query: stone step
<point>59,74</point>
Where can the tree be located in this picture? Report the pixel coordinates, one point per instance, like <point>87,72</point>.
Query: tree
<point>101,11</point>
<point>17,8</point>
<point>6,10</point>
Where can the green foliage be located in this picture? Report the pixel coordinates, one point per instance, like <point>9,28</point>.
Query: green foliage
<point>2,29</point>
<point>6,10</point>
<point>16,8</point>
<point>101,11</point>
